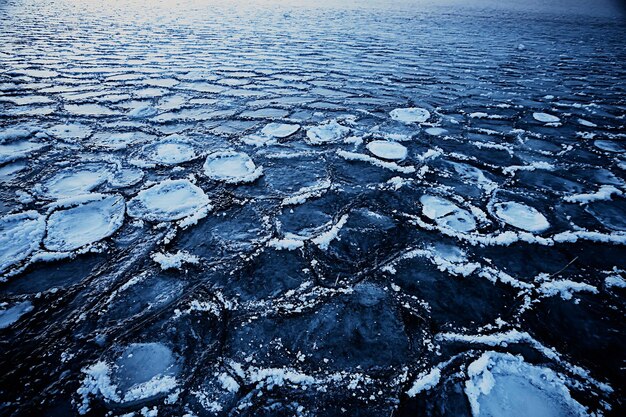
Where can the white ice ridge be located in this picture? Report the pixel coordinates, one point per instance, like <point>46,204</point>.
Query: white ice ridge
<point>410,115</point>
<point>231,167</point>
<point>604,193</point>
<point>353,156</point>
<point>509,237</point>
<point>304,193</point>
<point>20,235</point>
<point>323,240</point>
<point>168,200</point>
<point>87,222</point>
<point>425,381</point>
<point>521,216</point>
<point>504,385</point>
<point>387,150</point>
<point>174,260</point>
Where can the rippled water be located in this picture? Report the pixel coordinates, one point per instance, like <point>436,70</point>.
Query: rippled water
<point>285,209</point>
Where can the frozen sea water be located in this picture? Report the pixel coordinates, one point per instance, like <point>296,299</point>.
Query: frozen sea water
<point>291,208</point>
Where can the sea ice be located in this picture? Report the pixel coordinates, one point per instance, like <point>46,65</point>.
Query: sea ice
<point>167,201</point>
<point>387,150</point>
<point>88,222</point>
<point>521,216</point>
<point>231,167</point>
<point>20,235</point>
<point>503,385</point>
<point>410,115</point>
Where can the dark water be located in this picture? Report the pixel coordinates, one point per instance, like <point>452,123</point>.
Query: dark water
<point>375,291</point>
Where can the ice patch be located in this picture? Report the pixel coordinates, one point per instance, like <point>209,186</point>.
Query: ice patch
<point>88,222</point>
<point>326,133</point>
<point>545,118</point>
<point>20,235</point>
<point>10,315</point>
<point>17,150</point>
<point>387,150</point>
<point>447,214</point>
<point>521,216</point>
<point>280,130</point>
<point>503,385</point>
<point>167,201</point>
<point>174,260</point>
<point>231,167</point>
<point>410,115</point>
<point>70,131</point>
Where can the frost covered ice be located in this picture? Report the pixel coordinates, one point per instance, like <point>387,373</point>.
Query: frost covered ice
<point>168,200</point>
<point>387,150</point>
<point>410,115</point>
<point>20,235</point>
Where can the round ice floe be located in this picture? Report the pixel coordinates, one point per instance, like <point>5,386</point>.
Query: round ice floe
<point>447,214</point>
<point>387,150</point>
<point>119,140</point>
<point>503,385</point>
<point>410,115</point>
<point>521,216</point>
<point>167,201</point>
<point>231,167</point>
<point>280,130</point>
<point>10,315</point>
<point>70,131</point>
<point>170,151</point>
<point>326,132</point>
<point>74,180</point>
<point>545,118</point>
<point>20,235</point>
<point>92,220</point>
